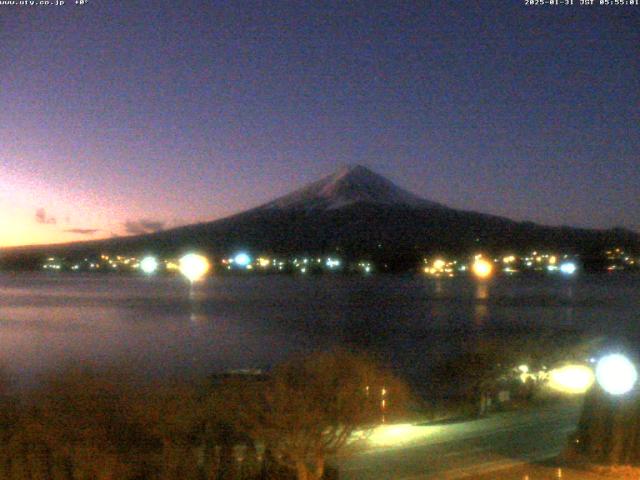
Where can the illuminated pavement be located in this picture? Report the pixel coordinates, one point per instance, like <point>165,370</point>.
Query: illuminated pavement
<point>462,449</point>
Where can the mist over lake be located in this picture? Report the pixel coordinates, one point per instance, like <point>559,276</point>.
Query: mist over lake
<point>160,327</point>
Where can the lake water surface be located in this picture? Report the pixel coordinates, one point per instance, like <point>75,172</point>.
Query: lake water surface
<point>160,327</point>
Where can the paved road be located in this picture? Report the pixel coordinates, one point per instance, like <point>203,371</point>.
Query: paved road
<point>461,449</point>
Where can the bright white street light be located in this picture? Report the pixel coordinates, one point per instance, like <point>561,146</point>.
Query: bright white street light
<point>568,268</point>
<point>194,266</point>
<point>616,374</point>
<point>149,265</point>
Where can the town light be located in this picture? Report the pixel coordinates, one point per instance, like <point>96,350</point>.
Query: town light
<point>439,264</point>
<point>332,262</point>
<point>571,379</point>
<point>616,374</point>
<point>568,268</point>
<point>482,268</point>
<point>149,265</point>
<point>194,266</point>
<point>242,259</point>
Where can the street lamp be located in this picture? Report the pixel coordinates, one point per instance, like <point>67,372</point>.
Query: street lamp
<point>616,374</point>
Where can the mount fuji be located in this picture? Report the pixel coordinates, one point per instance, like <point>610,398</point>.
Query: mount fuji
<point>348,186</point>
<point>358,214</point>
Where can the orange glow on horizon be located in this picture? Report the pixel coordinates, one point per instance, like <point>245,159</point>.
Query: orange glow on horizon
<point>75,214</point>
<point>18,228</point>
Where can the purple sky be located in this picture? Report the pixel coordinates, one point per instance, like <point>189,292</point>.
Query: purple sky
<point>122,117</point>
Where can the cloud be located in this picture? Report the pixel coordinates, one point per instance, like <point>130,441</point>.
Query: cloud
<point>82,231</point>
<point>41,217</point>
<point>140,227</point>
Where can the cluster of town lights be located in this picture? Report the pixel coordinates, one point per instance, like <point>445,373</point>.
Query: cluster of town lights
<point>195,266</point>
<point>484,264</point>
<point>481,266</point>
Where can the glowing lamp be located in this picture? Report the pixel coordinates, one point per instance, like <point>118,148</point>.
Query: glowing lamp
<point>242,259</point>
<point>482,268</point>
<point>194,266</point>
<point>439,264</point>
<point>333,263</point>
<point>616,374</point>
<point>571,379</point>
<point>149,265</point>
<point>568,268</point>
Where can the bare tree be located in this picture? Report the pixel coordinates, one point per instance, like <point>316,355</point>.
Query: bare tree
<point>310,407</point>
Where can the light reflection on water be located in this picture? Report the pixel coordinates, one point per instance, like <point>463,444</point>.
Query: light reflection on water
<point>162,327</point>
<point>481,311</point>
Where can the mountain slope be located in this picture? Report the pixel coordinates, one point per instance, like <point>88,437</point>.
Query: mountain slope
<point>356,213</point>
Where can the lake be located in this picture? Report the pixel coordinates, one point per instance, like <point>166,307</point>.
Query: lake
<point>160,326</point>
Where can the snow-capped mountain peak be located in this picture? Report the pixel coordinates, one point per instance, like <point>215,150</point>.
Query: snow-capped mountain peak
<point>349,185</point>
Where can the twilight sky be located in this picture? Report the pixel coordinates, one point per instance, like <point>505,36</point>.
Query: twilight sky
<point>124,117</point>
